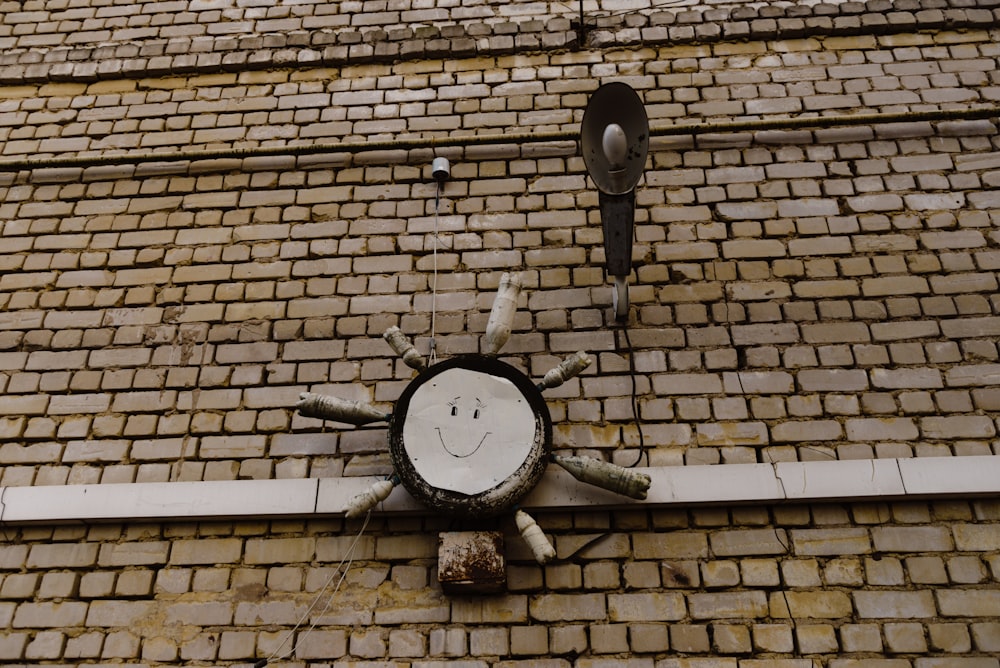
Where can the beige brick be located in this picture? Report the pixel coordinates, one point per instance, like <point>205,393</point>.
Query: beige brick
<point>677,545</point>
<point>50,615</point>
<point>322,644</point>
<point>749,542</point>
<point>731,638</point>
<point>12,557</point>
<point>884,571</point>
<point>912,539</point>
<point>36,453</point>
<point>279,550</point>
<point>680,574</point>
<point>134,583</point>
<point>957,426</point>
<point>495,610</point>
<point>833,542</point>
<point>968,603</point>
<point>117,613</point>
<point>926,570</point>
<point>335,548</point>
<point>238,447</point>
<point>759,572</point>
<point>793,431</point>
<point>61,585</point>
<point>956,662</point>
<point>529,640</point>
<point>811,604</point>
<point>447,642</point>
<point>833,380</point>
<point>645,606</point>
<point>688,638</point>
<point>894,604</point>
<point>772,637</point>
<point>552,607</point>
<point>100,584</point>
<point>905,637</point>
<point>976,537</point>
<point>209,613</point>
<point>881,429</point>
<point>19,585</point>
<point>408,643</point>
<point>861,638</point>
<point>206,551</point>
<point>609,638</point>
<point>429,611</point>
<point>986,636</point>
<point>143,402</point>
<point>563,640</point>
<point>718,574</point>
<point>79,403</point>
<point>732,434</point>
<point>46,645</point>
<point>406,547</point>
<point>726,605</point>
<point>950,637</point>
<point>685,383</point>
<point>63,555</point>
<point>12,645</point>
<point>260,351</point>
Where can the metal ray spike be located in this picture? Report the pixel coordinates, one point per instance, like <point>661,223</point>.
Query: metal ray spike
<point>339,410</point>
<point>614,478</point>
<point>501,320</point>
<point>568,368</point>
<point>403,347</point>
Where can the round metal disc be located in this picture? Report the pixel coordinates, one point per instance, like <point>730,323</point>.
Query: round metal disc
<point>470,436</point>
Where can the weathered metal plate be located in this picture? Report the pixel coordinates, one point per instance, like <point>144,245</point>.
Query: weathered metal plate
<point>471,562</point>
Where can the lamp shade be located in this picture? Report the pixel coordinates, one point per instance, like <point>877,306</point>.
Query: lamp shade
<point>615,104</point>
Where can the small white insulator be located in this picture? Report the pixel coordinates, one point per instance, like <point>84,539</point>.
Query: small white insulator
<point>605,475</point>
<point>339,410</point>
<point>374,495</point>
<point>568,368</point>
<point>534,537</point>
<point>501,320</point>
<point>403,347</point>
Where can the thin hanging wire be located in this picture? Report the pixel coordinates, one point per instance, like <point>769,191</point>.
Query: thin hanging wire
<point>432,353</point>
<point>342,571</point>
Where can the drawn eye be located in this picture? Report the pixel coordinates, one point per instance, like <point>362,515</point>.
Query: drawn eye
<point>475,415</point>
<point>454,410</point>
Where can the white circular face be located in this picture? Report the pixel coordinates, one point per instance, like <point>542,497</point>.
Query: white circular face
<point>467,431</point>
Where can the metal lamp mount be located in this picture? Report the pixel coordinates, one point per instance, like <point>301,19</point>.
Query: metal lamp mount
<point>614,137</point>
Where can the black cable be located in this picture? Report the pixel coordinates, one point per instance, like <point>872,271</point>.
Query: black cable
<point>635,397</point>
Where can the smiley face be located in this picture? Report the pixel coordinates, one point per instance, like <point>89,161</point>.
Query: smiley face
<point>458,434</point>
<point>466,430</point>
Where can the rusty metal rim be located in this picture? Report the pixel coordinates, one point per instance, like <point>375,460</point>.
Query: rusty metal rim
<point>505,495</point>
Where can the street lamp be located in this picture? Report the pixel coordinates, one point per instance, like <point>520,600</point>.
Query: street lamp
<point>614,137</point>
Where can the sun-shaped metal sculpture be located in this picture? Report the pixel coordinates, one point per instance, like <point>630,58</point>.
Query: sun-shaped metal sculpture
<point>471,436</point>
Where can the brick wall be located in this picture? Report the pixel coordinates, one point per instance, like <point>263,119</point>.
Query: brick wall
<point>800,293</point>
<point>834,585</point>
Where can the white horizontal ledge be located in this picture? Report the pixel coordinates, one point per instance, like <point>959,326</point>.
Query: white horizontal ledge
<point>728,484</point>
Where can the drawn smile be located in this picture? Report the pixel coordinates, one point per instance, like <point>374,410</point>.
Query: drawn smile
<point>455,454</point>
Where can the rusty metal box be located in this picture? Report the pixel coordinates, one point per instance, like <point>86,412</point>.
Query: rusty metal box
<point>471,562</point>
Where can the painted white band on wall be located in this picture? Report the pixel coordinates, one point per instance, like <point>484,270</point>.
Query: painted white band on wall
<point>729,484</point>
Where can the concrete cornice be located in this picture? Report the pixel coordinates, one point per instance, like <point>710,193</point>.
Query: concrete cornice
<point>842,481</point>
